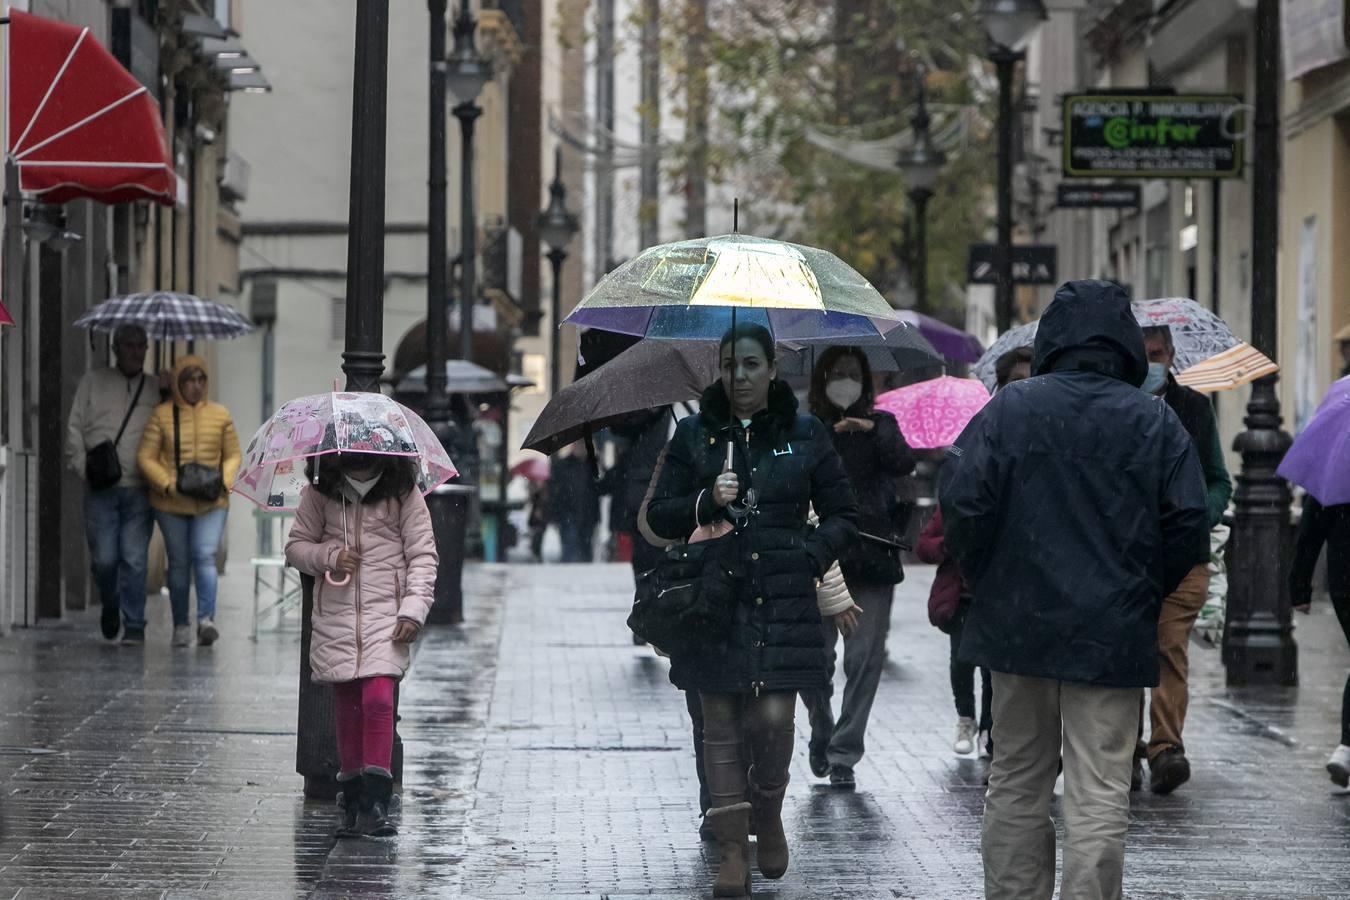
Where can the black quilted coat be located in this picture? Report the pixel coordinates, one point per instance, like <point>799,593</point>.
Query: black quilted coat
<point>775,642</point>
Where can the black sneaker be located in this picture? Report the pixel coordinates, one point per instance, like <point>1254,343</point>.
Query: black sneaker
<point>110,621</point>
<point>820,764</point>
<point>133,635</point>
<point>1168,771</point>
<point>842,777</point>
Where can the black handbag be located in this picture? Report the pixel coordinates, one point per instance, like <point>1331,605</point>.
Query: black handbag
<point>686,604</point>
<point>102,468</point>
<point>195,480</point>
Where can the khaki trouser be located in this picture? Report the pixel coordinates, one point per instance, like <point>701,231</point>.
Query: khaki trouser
<point>1167,712</point>
<point>1035,719</point>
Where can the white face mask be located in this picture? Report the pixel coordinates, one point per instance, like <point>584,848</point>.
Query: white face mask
<point>362,487</point>
<point>1156,378</point>
<point>843,392</point>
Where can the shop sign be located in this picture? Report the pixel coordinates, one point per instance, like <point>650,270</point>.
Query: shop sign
<point>1031,264</point>
<point>1097,196</point>
<point>1134,135</point>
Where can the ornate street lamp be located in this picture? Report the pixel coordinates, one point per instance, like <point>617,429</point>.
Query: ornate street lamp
<point>466,73</point>
<point>1008,22</point>
<point>556,228</point>
<point>921,164</point>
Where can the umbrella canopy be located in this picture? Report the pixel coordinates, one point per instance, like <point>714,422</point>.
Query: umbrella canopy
<point>648,375</point>
<point>168,316</point>
<point>696,289</point>
<point>1319,460</point>
<point>1209,357</point>
<point>273,471</point>
<point>952,342</point>
<point>79,124</point>
<point>898,350</point>
<point>532,468</point>
<point>1008,341</point>
<point>933,413</point>
<point>5,317</point>
<point>462,377</point>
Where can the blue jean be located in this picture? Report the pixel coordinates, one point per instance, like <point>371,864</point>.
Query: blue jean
<point>117,525</point>
<point>190,542</point>
<point>576,542</point>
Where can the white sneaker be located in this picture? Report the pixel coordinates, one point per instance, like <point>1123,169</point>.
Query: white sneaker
<point>965,735</point>
<point>983,743</point>
<point>182,636</point>
<point>1338,767</point>
<point>206,632</point>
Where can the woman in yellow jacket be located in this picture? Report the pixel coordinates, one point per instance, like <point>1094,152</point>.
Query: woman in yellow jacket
<point>184,430</point>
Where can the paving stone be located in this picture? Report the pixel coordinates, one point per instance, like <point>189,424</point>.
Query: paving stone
<point>548,757</point>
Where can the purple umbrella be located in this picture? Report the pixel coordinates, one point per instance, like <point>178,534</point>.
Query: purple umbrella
<point>1319,460</point>
<point>952,343</point>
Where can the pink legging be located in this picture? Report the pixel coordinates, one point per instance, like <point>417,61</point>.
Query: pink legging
<point>365,723</point>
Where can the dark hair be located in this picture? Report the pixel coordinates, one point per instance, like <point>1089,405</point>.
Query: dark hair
<point>398,475</point>
<point>757,333</point>
<point>1008,361</point>
<point>820,405</point>
<point>1162,331</point>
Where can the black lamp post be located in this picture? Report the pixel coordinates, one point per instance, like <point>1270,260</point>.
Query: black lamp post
<point>1008,23</point>
<point>466,74</point>
<point>362,358</point>
<point>921,163</point>
<point>1258,640</point>
<point>556,228</point>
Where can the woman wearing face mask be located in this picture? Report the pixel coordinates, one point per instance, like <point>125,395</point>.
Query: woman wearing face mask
<point>750,461</point>
<point>875,457</point>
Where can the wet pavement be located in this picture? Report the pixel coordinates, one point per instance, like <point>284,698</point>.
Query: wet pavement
<point>549,758</point>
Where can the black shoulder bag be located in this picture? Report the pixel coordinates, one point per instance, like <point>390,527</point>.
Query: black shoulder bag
<point>195,480</point>
<point>685,605</point>
<point>102,468</point>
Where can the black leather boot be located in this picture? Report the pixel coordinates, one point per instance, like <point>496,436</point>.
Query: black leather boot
<point>378,790</point>
<point>351,805</point>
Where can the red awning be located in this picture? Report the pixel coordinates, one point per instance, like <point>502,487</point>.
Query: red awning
<point>79,124</point>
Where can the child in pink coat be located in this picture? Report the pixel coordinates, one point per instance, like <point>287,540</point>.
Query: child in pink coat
<point>364,533</point>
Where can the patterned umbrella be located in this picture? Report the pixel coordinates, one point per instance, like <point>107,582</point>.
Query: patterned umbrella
<point>273,472</point>
<point>1209,356</point>
<point>1319,460</point>
<point>695,290</point>
<point>168,316</point>
<point>933,413</point>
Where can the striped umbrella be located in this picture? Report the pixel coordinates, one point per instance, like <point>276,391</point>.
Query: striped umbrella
<point>168,316</point>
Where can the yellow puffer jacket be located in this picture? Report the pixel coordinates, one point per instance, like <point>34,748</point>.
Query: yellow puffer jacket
<point>208,437</point>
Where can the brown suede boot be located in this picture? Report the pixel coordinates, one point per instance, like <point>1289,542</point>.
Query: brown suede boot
<point>772,850</point>
<point>731,824</point>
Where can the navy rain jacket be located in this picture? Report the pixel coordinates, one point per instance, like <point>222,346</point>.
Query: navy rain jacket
<point>1075,503</point>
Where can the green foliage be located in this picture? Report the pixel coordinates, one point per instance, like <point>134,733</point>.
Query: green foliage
<point>777,68</point>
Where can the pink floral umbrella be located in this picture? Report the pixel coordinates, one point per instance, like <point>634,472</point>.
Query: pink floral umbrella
<point>932,413</point>
<point>273,471</point>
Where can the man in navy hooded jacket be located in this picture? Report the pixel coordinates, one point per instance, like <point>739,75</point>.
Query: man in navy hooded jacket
<point>1074,503</point>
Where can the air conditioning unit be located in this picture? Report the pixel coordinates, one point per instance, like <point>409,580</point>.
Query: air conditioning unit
<point>234,177</point>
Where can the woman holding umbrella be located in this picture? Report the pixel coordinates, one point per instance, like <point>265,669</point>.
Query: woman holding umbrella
<point>750,463</point>
<point>875,457</point>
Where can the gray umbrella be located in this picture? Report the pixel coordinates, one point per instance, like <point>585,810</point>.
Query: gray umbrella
<point>901,349</point>
<point>462,377</point>
<point>1008,341</point>
<point>648,375</point>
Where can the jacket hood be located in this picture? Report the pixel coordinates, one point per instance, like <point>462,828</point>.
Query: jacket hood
<point>183,364</point>
<point>715,407</point>
<point>1090,326</point>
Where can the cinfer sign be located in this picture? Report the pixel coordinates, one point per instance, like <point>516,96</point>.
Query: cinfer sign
<point>1144,136</point>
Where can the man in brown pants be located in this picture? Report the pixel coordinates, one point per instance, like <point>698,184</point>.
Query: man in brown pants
<point>1167,763</point>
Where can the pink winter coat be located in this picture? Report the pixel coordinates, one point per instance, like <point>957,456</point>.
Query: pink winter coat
<point>353,625</point>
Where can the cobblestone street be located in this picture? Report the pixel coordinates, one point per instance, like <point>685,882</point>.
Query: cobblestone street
<point>547,757</point>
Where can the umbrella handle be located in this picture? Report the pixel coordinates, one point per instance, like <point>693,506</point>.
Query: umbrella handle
<point>328,577</point>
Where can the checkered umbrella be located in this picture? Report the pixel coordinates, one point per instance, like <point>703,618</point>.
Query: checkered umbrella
<point>168,316</point>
